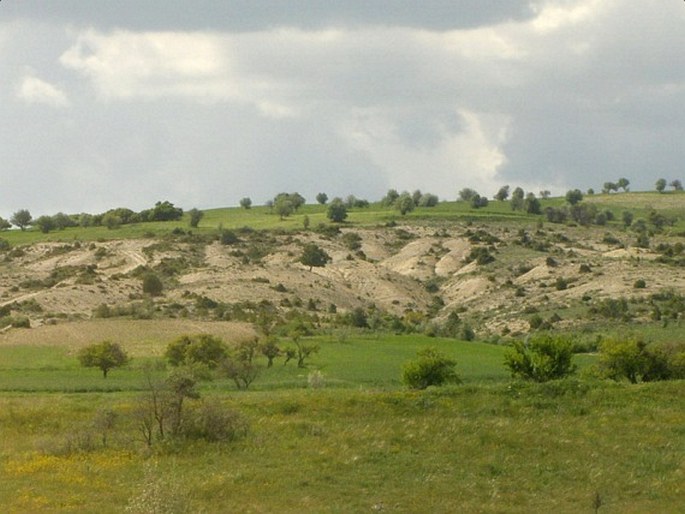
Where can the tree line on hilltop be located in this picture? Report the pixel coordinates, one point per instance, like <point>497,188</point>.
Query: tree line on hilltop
<point>286,204</point>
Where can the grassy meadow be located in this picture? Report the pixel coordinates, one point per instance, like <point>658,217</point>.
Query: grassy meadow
<point>360,443</point>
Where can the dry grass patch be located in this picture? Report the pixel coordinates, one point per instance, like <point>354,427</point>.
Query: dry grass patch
<point>139,337</point>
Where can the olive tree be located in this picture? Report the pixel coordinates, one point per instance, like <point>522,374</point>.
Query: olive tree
<point>105,355</point>
<point>22,219</point>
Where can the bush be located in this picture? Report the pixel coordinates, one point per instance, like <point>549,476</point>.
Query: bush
<point>214,423</point>
<point>636,361</point>
<point>152,284</point>
<point>200,349</point>
<point>541,359</point>
<point>430,368</point>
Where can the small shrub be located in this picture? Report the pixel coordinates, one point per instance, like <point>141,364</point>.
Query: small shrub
<point>214,423</point>
<point>541,359</point>
<point>152,284</point>
<point>430,368</point>
<point>640,284</point>
<point>316,380</point>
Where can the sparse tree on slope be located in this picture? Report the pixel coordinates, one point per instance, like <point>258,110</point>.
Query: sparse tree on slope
<point>313,255</point>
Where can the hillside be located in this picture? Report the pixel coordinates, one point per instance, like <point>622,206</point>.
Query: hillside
<point>417,268</point>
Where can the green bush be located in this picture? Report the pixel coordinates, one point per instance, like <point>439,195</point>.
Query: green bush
<point>541,359</point>
<point>152,284</point>
<point>430,368</point>
<point>199,349</point>
<point>636,361</point>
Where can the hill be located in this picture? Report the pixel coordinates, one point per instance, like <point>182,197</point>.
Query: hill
<point>498,271</point>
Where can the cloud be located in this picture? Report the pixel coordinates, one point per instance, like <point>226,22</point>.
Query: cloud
<point>36,91</point>
<point>548,94</point>
<point>250,16</point>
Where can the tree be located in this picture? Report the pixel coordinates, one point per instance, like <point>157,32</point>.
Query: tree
<point>45,224</point>
<point>609,187</point>
<point>196,349</point>
<point>502,194</point>
<point>467,194</point>
<point>623,183</point>
<point>517,201</point>
<point>322,198</point>
<point>152,284</point>
<point>574,196</point>
<point>428,200</point>
<point>111,220</point>
<point>541,359</point>
<point>627,218</point>
<point>22,219</point>
<point>283,206</point>
<point>430,368</point>
<point>313,255</point>
<point>195,216</point>
<point>479,201</point>
<point>390,197</point>
<point>165,211</point>
<point>532,204</point>
<point>246,203</point>
<point>660,185</point>
<point>676,185</point>
<point>405,203</point>
<point>270,350</point>
<point>239,364</point>
<point>4,224</point>
<point>105,355</point>
<point>337,210</point>
<point>302,350</point>
<point>545,194</point>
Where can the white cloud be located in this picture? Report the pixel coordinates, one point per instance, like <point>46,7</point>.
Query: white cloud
<point>36,91</point>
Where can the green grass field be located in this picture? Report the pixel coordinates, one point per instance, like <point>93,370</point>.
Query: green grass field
<point>361,443</point>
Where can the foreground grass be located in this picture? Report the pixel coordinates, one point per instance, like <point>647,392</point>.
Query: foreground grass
<point>499,448</point>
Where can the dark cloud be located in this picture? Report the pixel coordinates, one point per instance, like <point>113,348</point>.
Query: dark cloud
<point>249,15</point>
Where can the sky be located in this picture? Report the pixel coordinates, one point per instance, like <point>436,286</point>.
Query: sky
<point>122,104</point>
